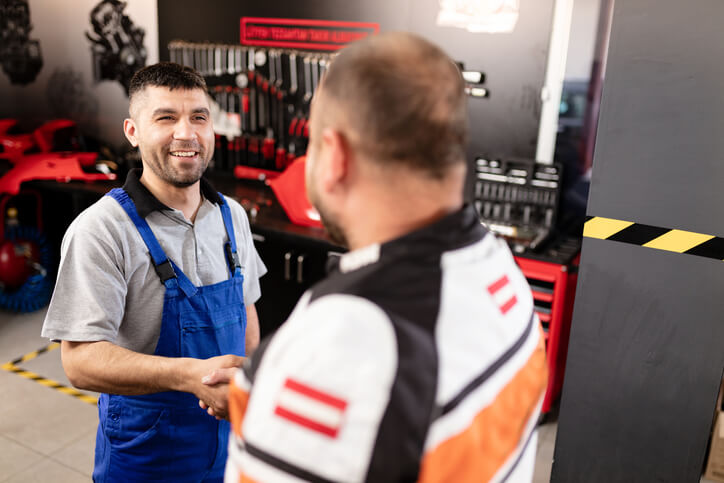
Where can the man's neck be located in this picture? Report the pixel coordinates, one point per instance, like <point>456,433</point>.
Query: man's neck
<point>384,214</point>
<point>186,199</point>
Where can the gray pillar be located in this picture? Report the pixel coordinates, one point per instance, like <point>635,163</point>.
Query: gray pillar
<point>646,349</point>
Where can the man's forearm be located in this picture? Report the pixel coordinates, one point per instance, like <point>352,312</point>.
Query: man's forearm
<point>252,329</point>
<point>105,367</point>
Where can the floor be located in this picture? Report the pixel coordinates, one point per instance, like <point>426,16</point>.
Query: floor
<point>47,435</point>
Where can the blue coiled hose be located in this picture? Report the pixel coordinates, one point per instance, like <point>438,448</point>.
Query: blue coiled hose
<point>35,293</point>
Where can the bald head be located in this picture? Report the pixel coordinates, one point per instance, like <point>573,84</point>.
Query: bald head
<point>398,99</point>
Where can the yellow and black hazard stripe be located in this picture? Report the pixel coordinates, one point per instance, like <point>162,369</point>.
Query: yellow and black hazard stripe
<point>655,237</point>
<point>34,354</point>
<point>13,367</point>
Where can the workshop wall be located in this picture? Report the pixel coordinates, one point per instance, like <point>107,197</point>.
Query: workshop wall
<point>65,85</point>
<point>504,124</point>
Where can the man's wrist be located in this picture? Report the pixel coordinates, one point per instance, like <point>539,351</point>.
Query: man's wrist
<point>180,374</point>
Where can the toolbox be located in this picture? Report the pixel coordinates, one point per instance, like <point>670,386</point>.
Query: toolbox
<point>518,199</point>
<point>553,286</point>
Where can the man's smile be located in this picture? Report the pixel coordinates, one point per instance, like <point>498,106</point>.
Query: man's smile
<point>184,154</point>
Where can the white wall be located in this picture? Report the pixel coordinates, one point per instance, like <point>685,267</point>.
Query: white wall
<point>582,38</point>
<point>60,27</point>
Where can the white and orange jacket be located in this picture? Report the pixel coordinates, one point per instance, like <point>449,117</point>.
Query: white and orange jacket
<point>420,359</point>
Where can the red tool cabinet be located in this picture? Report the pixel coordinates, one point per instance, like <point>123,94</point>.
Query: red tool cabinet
<point>554,288</point>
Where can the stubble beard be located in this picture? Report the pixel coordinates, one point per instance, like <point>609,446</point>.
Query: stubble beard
<point>164,169</point>
<point>334,230</point>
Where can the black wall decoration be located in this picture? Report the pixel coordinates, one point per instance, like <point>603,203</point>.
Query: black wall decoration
<point>19,55</point>
<point>68,96</point>
<point>116,43</point>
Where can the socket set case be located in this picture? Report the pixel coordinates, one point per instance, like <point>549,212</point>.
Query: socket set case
<point>518,199</point>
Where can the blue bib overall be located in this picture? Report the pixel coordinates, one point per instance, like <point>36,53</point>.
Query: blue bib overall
<point>166,436</point>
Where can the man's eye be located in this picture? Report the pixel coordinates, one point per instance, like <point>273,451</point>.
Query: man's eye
<point>200,118</point>
<point>165,118</point>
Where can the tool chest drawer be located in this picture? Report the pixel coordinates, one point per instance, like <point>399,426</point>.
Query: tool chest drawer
<point>554,289</point>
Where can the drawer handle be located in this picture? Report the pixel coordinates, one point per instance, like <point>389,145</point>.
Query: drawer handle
<point>300,269</point>
<point>288,266</point>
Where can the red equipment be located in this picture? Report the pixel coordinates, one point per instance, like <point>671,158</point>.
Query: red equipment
<point>16,262</point>
<point>13,145</point>
<point>61,167</point>
<point>247,172</point>
<point>43,139</point>
<point>554,289</point>
<point>290,189</point>
<point>17,257</point>
<point>45,135</point>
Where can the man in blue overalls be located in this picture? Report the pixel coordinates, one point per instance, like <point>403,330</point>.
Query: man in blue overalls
<point>156,289</point>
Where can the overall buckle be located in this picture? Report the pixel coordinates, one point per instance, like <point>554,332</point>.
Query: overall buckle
<point>232,257</point>
<point>165,271</point>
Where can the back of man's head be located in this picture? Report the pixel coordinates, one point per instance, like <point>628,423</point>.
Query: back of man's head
<point>401,100</point>
<point>164,74</point>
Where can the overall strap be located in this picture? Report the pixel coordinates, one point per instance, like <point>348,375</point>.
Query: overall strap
<point>232,257</point>
<point>165,268</point>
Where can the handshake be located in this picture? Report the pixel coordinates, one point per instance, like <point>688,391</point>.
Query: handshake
<point>209,381</point>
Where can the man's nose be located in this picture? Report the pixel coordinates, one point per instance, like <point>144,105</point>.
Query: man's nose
<point>184,130</point>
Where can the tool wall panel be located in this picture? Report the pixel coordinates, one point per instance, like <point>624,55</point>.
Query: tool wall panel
<point>506,123</point>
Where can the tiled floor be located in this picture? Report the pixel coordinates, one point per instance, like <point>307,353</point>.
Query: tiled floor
<point>48,436</point>
<point>45,435</point>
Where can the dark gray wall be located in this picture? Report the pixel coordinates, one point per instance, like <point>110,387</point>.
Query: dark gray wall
<point>65,86</point>
<point>505,124</point>
<point>646,348</point>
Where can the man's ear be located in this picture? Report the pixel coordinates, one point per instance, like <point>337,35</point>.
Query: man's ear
<point>129,129</point>
<point>335,163</point>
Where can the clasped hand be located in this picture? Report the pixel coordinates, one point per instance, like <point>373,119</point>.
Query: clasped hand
<point>212,378</point>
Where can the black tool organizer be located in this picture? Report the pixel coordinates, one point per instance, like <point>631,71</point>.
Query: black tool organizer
<point>518,199</point>
<point>267,92</point>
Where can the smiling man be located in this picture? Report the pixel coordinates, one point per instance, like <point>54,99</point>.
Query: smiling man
<point>156,288</point>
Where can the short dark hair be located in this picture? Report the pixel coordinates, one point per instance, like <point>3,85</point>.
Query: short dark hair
<point>405,100</point>
<point>166,74</point>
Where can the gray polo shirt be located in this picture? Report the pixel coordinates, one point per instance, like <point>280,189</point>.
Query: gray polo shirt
<point>107,287</point>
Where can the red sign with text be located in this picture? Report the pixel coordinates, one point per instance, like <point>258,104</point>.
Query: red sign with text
<point>303,34</point>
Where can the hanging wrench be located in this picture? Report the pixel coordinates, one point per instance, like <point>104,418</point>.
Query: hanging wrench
<point>314,65</point>
<point>217,61</point>
<point>307,80</point>
<point>197,58</point>
<point>293,73</point>
<point>230,64</point>
<point>172,48</point>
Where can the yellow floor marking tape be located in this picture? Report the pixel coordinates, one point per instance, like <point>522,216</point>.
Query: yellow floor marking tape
<point>13,367</point>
